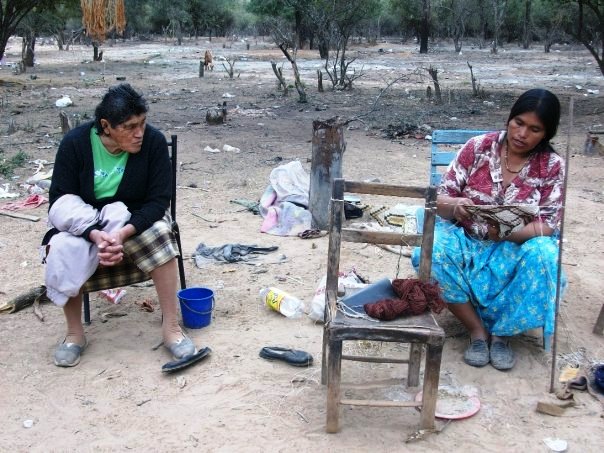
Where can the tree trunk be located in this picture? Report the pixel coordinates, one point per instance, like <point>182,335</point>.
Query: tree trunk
<point>343,65</point>
<point>27,49</point>
<point>424,31</point>
<point>437,93</point>
<point>280,78</point>
<point>96,55</point>
<point>328,148</point>
<point>60,37</point>
<point>457,42</point>
<point>320,81</point>
<point>526,25</point>
<point>323,48</point>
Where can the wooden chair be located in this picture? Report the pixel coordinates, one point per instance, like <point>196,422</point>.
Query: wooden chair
<point>139,276</point>
<point>445,144</point>
<point>416,330</point>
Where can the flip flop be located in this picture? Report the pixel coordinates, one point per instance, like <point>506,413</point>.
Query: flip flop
<point>186,361</point>
<point>294,357</point>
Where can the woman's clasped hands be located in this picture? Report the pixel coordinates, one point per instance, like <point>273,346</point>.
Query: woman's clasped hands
<point>110,246</point>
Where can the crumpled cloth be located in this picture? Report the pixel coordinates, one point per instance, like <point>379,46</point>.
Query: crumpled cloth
<point>33,201</point>
<point>228,253</point>
<point>284,203</point>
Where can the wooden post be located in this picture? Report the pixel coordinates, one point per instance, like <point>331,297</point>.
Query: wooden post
<point>65,123</point>
<point>328,148</point>
<point>320,81</point>
<point>201,68</point>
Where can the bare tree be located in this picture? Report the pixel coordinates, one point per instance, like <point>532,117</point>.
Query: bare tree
<point>287,44</point>
<point>499,10</point>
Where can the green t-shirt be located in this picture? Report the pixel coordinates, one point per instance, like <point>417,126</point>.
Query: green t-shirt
<point>108,168</point>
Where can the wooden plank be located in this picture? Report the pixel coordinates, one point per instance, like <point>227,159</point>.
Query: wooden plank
<point>380,237</point>
<point>425,260</point>
<point>373,384</point>
<point>328,148</point>
<point>454,136</point>
<point>380,403</point>
<point>333,258</point>
<point>360,358</point>
<point>333,386</point>
<point>430,389</point>
<point>442,158</point>
<point>18,215</point>
<point>393,190</point>
<point>415,358</point>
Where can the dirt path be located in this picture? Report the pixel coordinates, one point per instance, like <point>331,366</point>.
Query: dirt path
<point>117,398</point>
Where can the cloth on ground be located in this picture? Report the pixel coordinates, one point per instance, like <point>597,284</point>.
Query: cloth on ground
<point>33,201</point>
<point>284,203</point>
<point>252,206</point>
<point>228,253</point>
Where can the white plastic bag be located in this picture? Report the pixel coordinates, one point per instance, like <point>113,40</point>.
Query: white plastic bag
<point>346,280</point>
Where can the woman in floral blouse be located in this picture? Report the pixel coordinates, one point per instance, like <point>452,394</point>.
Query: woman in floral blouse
<point>499,285</point>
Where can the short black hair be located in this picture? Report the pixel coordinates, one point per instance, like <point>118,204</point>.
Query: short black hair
<point>545,105</point>
<point>118,104</point>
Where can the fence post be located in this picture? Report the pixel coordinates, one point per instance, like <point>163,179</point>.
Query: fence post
<point>328,148</point>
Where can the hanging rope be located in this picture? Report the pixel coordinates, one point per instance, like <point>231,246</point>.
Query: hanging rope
<point>99,17</point>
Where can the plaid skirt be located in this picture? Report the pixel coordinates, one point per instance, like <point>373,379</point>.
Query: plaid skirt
<point>152,248</point>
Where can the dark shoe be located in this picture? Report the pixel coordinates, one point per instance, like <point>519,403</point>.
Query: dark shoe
<point>292,356</point>
<point>477,353</point>
<point>182,348</point>
<point>68,354</point>
<point>185,362</point>
<point>502,356</point>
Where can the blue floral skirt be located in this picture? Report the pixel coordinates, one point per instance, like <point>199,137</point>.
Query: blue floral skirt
<point>512,286</point>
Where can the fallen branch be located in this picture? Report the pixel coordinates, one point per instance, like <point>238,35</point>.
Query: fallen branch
<point>16,215</point>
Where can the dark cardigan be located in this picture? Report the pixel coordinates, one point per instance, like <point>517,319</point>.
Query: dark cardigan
<point>145,187</point>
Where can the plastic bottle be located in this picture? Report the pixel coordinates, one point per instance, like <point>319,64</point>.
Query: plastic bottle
<point>280,301</point>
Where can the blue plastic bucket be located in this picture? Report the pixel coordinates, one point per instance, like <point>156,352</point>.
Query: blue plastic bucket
<point>196,305</point>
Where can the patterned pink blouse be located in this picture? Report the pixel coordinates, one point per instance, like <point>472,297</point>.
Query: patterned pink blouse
<point>476,174</point>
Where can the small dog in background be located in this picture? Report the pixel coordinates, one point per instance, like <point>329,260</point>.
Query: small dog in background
<point>208,60</point>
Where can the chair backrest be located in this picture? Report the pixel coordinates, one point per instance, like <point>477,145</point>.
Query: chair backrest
<point>337,233</point>
<point>445,145</point>
<point>173,144</point>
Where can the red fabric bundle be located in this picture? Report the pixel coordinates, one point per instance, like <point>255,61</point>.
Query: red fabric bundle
<point>415,298</point>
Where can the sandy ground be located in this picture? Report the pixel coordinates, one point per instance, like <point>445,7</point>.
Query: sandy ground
<point>117,399</point>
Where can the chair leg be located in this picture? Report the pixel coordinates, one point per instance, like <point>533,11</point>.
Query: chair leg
<point>547,342</point>
<point>599,327</point>
<point>415,358</point>
<point>86,300</point>
<point>333,386</point>
<point>181,264</point>
<point>430,389</point>
<point>324,357</point>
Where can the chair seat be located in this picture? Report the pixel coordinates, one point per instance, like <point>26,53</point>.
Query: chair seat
<point>411,329</point>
